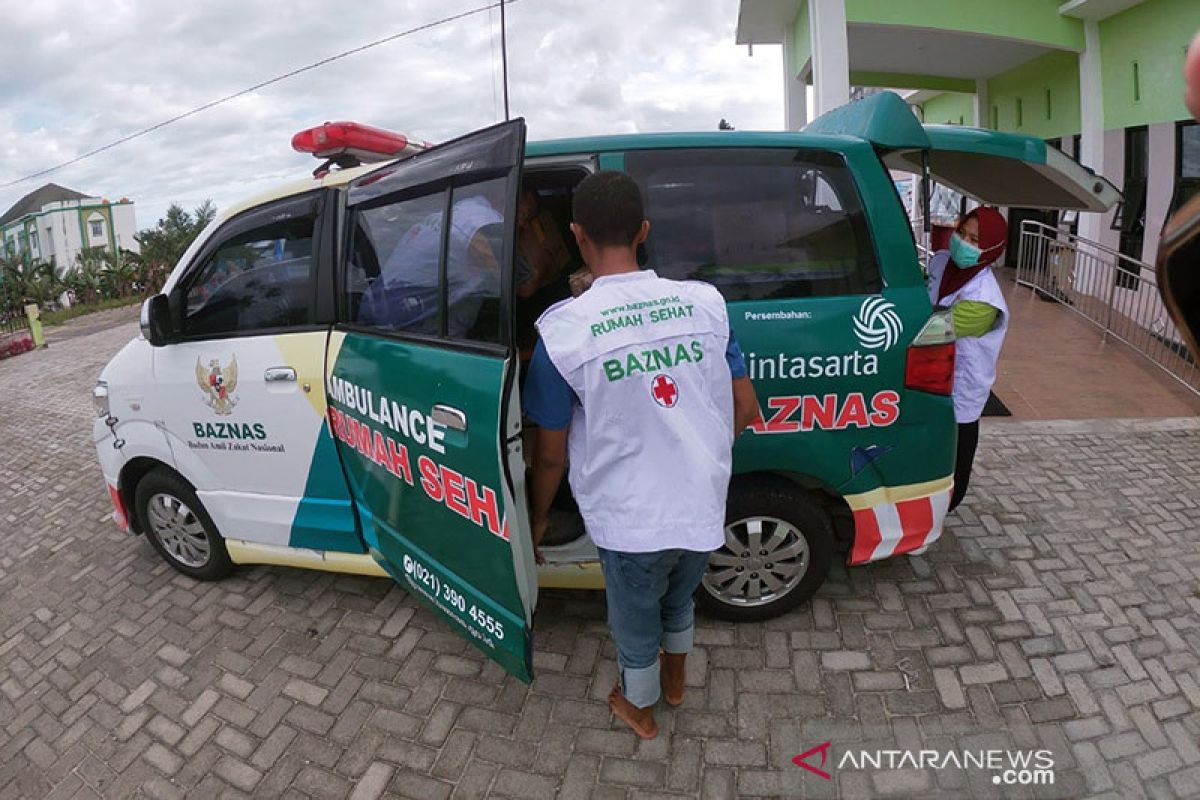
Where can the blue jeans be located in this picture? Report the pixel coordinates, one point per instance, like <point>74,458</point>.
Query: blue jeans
<point>649,608</point>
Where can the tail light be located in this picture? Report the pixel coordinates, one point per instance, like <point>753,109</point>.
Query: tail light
<point>930,364</point>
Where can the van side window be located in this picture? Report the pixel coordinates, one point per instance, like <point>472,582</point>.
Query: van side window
<point>258,279</point>
<point>758,224</point>
<point>473,261</point>
<point>393,277</point>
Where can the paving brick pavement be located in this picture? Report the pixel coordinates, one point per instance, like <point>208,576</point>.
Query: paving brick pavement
<point>1060,611</point>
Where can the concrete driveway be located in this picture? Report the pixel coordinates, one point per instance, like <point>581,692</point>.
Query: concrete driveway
<point>1059,613</point>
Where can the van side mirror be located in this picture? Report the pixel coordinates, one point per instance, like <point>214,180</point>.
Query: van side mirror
<point>156,320</point>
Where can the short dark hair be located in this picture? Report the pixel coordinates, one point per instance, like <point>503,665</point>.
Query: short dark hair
<point>608,206</point>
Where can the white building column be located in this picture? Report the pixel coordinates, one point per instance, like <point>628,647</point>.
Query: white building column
<point>1091,115</point>
<point>795,96</point>
<point>981,104</point>
<point>830,54</point>
<point>1160,185</point>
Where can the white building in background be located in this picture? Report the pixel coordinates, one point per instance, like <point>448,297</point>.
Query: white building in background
<point>56,224</point>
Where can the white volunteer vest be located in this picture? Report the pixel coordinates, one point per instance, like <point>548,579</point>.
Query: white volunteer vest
<point>975,356</point>
<point>651,440</point>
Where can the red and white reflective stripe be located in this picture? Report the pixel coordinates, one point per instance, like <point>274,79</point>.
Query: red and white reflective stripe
<point>120,516</point>
<point>889,529</point>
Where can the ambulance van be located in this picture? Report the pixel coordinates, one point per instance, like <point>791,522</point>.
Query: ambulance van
<point>330,377</point>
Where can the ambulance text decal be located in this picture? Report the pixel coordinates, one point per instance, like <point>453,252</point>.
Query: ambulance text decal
<point>442,484</point>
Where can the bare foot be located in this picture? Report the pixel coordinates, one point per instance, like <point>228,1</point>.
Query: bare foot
<point>672,669</point>
<point>640,719</point>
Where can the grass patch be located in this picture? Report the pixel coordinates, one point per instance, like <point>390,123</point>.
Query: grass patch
<point>52,318</point>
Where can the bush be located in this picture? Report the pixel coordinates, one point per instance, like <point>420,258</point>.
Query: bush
<point>15,344</point>
<point>61,315</point>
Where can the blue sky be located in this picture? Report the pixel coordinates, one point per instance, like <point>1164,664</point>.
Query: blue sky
<point>74,76</point>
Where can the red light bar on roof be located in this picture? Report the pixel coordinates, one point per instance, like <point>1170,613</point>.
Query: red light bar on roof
<point>363,142</point>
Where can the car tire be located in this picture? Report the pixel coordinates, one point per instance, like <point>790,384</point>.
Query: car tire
<point>179,528</point>
<point>791,527</point>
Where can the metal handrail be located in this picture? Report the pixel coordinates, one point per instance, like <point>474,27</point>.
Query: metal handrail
<point>1114,292</point>
<point>13,320</point>
<point>923,252</point>
<point>1066,236</point>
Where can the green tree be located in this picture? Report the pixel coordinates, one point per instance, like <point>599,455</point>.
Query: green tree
<point>11,289</point>
<point>164,244</point>
<point>33,282</point>
<point>119,276</point>
<point>98,274</point>
<point>82,280</point>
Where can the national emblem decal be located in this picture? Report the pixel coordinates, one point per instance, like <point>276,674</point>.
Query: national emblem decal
<point>664,390</point>
<point>218,384</point>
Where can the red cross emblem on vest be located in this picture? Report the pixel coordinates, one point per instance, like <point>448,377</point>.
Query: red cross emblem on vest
<point>664,391</point>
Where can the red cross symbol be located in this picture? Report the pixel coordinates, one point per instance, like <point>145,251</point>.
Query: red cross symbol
<point>664,391</point>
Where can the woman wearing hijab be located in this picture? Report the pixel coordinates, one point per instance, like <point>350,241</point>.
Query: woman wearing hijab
<point>960,279</point>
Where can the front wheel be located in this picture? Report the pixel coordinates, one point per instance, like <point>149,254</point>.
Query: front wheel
<point>778,547</point>
<point>179,527</point>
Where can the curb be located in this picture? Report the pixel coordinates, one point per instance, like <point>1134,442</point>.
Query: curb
<point>1090,426</point>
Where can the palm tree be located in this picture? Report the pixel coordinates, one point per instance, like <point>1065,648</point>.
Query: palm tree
<point>84,281</point>
<point>11,291</point>
<point>39,282</point>
<point>118,277</point>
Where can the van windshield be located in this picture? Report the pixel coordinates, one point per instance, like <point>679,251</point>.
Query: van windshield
<point>756,223</point>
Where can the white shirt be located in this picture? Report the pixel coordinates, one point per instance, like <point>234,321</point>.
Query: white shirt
<point>975,357</point>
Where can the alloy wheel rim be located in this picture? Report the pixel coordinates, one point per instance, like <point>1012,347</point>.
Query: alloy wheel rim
<point>763,559</point>
<point>178,530</point>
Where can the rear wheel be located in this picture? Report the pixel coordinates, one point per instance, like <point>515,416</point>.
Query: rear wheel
<point>179,528</point>
<point>778,547</point>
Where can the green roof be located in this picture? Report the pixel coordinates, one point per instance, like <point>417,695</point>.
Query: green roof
<point>882,119</point>
<point>654,141</point>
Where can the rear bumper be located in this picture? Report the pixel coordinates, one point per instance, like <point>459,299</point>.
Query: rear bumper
<point>898,519</point>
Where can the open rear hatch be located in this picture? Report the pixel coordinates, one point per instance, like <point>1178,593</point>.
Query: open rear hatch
<point>996,168</point>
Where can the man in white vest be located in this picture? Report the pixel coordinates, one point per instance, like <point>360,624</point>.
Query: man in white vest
<point>640,378</point>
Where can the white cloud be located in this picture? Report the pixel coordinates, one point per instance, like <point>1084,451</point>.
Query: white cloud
<point>74,76</point>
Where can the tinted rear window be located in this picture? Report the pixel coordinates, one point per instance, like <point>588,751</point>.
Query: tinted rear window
<point>757,224</point>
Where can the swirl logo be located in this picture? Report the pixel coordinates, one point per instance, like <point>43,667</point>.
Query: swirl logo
<point>877,325</point>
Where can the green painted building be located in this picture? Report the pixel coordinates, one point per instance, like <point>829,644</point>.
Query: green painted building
<point>1101,79</point>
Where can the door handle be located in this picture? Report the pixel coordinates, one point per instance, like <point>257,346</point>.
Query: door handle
<point>449,416</point>
<point>279,375</point>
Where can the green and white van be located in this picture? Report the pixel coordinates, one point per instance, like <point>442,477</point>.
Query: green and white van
<point>271,414</point>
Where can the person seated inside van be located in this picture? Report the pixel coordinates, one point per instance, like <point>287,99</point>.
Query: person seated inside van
<point>405,295</point>
<point>542,258</point>
<point>541,251</point>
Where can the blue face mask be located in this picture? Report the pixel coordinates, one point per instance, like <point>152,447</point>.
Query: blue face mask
<point>964,254</point>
